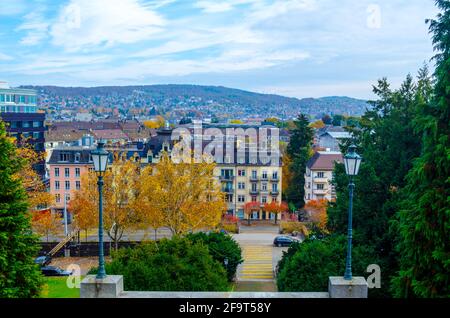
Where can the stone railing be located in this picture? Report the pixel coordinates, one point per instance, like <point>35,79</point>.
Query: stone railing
<point>112,287</point>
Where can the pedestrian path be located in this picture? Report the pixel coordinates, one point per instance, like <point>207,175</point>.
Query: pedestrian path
<point>257,263</point>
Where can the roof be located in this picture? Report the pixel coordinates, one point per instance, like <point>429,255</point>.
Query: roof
<point>324,160</point>
<point>338,134</point>
<point>110,134</point>
<point>84,155</point>
<point>63,134</point>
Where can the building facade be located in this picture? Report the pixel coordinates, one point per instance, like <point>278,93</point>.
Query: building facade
<point>24,121</point>
<point>319,174</point>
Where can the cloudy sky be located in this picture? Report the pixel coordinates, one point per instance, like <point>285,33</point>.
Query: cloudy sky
<point>300,48</point>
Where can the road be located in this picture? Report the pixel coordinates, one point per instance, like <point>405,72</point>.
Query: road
<point>260,256</point>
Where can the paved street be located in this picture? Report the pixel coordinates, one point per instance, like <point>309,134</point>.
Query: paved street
<point>260,256</point>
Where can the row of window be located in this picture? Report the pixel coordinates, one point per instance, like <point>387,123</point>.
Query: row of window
<point>12,98</point>
<point>26,124</point>
<point>254,186</point>
<point>67,185</point>
<point>26,135</point>
<point>67,172</point>
<point>243,173</point>
<point>58,198</point>
<point>18,109</point>
<point>254,198</point>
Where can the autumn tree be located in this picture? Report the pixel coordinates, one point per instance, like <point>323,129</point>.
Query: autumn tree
<point>276,208</point>
<point>185,195</point>
<point>46,223</point>
<point>250,207</point>
<point>317,211</point>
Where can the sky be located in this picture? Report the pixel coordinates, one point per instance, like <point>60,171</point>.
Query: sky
<point>298,48</point>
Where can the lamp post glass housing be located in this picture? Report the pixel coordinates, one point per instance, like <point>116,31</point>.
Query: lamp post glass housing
<point>100,159</point>
<point>352,161</point>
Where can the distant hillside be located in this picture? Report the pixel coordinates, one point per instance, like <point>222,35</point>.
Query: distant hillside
<point>202,100</point>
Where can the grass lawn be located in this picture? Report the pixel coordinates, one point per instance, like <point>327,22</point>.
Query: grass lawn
<point>56,287</point>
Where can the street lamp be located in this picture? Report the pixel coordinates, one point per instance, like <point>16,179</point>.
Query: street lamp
<point>352,162</point>
<point>100,159</point>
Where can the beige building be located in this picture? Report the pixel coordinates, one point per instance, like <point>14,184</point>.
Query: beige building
<point>319,174</point>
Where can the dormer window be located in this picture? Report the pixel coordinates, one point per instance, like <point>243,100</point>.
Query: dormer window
<point>77,157</point>
<point>64,157</point>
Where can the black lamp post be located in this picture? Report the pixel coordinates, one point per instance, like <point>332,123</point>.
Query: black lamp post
<point>100,159</point>
<point>352,162</point>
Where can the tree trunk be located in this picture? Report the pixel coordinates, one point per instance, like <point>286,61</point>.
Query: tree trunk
<point>156,231</point>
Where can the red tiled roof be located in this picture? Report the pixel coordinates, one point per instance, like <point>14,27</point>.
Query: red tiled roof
<point>324,160</point>
<point>110,134</point>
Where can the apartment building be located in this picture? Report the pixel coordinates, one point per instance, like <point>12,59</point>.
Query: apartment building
<point>319,174</point>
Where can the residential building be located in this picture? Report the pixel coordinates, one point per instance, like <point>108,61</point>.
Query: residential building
<point>319,174</point>
<point>331,137</point>
<point>24,121</point>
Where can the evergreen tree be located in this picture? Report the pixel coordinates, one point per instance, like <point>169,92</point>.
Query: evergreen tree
<point>388,144</point>
<point>423,221</point>
<point>19,276</point>
<point>298,150</point>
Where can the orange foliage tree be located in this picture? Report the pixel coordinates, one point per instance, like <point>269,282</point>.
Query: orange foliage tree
<point>317,211</point>
<point>250,207</point>
<point>276,208</point>
<point>45,223</point>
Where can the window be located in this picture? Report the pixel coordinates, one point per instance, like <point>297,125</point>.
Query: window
<point>67,197</point>
<point>274,187</point>
<point>77,172</point>
<point>274,199</point>
<point>320,186</point>
<point>77,157</point>
<point>264,174</point>
<point>63,157</point>
<point>263,199</point>
<point>56,172</point>
<point>309,196</point>
<point>254,174</point>
<point>57,198</point>
<point>253,198</point>
<point>26,124</point>
<point>320,174</point>
<point>240,214</point>
<point>241,185</point>
<point>241,198</point>
<point>36,135</point>
<point>275,175</point>
<point>229,198</point>
<point>77,185</point>
<point>56,185</point>
<point>254,187</point>
<point>2,97</point>
<point>21,99</point>
<point>67,172</point>
<point>67,185</point>
<point>264,186</point>
<point>241,173</point>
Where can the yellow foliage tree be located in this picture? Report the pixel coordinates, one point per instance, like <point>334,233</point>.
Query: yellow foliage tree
<point>317,209</point>
<point>45,223</point>
<point>183,196</point>
<point>158,122</point>
<point>317,124</point>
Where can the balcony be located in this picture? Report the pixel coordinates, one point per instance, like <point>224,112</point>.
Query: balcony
<point>254,178</point>
<point>226,178</point>
<point>275,192</point>
<point>264,178</point>
<point>254,192</point>
<point>321,180</point>
<point>275,179</point>
<point>228,190</point>
<point>320,191</point>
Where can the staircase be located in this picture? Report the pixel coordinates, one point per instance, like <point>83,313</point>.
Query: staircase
<point>61,244</point>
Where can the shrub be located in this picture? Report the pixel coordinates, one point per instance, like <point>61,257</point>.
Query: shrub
<point>221,246</point>
<point>176,264</point>
<point>306,267</point>
<point>291,226</point>
<point>231,227</point>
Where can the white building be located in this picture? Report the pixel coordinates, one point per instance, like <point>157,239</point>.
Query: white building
<point>332,139</point>
<point>319,174</point>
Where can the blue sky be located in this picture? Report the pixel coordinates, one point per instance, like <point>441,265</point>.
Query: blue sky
<point>299,48</point>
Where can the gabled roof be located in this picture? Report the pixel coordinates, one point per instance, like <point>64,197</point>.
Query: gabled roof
<point>324,160</point>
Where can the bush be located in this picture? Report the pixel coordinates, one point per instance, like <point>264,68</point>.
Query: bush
<point>288,227</point>
<point>230,227</point>
<point>305,267</point>
<point>221,246</point>
<point>176,264</point>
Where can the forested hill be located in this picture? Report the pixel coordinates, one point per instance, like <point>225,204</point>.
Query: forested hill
<point>208,98</point>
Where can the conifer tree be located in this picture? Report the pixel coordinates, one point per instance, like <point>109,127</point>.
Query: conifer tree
<point>19,276</point>
<point>424,219</point>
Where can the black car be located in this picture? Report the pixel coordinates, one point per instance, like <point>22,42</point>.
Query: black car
<point>43,260</point>
<point>285,240</point>
<point>54,271</point>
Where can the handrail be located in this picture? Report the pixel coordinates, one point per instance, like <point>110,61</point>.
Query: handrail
<point>63,242</point>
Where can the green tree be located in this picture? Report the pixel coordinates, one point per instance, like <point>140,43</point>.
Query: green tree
<point>388,143</point>
<point>337,120</point>
<point>19,276</point>
<point>423,220</point>
<point>175,264</point>
<point>221,247</point>
<point>298,150</point>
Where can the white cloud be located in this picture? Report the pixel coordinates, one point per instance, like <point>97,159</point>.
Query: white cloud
<point>86,24</point>
<point>36,27</point>
<point>4,57</point>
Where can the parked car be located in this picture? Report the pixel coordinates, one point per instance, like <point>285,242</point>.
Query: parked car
<point>54,271</point>
<point>43,260</point>
<point>283,240</point>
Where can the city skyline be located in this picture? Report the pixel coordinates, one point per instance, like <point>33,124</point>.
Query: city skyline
<point>298,48</point>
